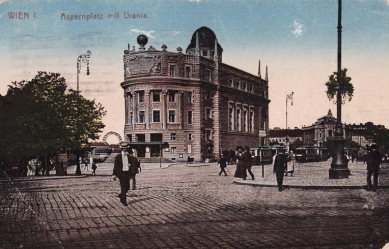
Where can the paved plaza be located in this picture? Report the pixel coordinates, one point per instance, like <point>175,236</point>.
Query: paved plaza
<point>191,206</point>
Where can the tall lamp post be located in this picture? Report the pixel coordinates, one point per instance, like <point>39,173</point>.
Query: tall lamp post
<point>84,58</point>
<point>289,96</point>
<point>339,166</point>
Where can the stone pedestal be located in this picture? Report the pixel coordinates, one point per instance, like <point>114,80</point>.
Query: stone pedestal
<point>339,166</point>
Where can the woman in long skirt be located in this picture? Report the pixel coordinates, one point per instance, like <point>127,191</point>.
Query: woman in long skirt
<point>240,171</point>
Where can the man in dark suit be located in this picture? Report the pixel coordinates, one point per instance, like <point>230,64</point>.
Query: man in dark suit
<point>280,164</point>
<point>223,164</point>
<point>248,162</point>
<point>121,170</point>
<point>373,162</point>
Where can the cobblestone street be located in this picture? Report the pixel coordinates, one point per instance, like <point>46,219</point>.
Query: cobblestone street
<point>188,207</point>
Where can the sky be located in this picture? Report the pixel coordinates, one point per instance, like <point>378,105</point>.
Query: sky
<point>296,39</point>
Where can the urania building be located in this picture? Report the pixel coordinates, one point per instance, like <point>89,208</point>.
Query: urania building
<point>189,103</point>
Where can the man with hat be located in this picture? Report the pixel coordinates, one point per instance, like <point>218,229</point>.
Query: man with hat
<point>373,162</point>
<point>248,162</point>
<point>280,164</point>
<point>121,170</point>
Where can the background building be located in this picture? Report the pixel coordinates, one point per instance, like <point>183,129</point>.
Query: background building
<point>323,129</point>
<point>191,104</point>
<point>280,136</point>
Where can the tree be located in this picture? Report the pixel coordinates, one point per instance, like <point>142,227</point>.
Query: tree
<point>346,87</point>
<point>40,116</point>
<point>380,136</point>
<point>296,144</point>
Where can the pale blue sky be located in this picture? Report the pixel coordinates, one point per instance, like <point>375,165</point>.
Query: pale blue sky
<point>296,39</point>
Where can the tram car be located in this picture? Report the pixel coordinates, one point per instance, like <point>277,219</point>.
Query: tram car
<point>311,154</point>
<point>264,154</point>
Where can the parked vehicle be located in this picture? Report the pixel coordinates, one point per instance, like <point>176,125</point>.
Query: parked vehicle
<point>264,154</point>
<point>311,154</point>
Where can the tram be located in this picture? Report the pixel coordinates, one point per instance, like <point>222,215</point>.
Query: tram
<point>264,154</point>
<point>311,154</point>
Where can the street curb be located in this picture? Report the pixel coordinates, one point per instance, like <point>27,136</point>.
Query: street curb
<point>42,178</point>
<point>305,186</point>
<point>196,165</point>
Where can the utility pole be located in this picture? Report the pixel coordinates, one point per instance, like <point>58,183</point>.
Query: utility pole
<point>339,166</point>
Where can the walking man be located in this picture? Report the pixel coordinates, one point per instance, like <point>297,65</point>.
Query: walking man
<point>121,170</point>
<point>373,162</point>
<point>280,164</point>
<point>94,167</point>
<point>223,164</point>
<point>248,162</point>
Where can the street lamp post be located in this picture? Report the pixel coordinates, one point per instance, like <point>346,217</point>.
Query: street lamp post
<point>84,58</point>
<point>339,166</point>
<point>160,154</point>
<point>289,96</point>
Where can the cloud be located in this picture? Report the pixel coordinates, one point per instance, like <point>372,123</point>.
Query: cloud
<point>146,33</point>
<point>178,32</point>
<point>200,1</point>
<point>298,28</point>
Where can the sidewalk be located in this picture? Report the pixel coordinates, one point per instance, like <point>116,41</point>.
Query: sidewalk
<point>103,169</point>
<point>315,175</point>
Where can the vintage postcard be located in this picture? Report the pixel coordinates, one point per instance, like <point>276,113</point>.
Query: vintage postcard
<point>191,91</point>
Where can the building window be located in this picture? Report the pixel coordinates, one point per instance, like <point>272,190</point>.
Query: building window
<point>207,95</point>
<point>172,116</point>
<point>190,136</point>
<point>244,85</point>
<point>189,148</point>
<point>330,133</point>
<point>237,83</point>
<point>156,97</point>
<point>245,120</point>
<point>187,72</point>
<point>172,70</point>
<point>251,120</point>
<point>173,136</point>
<point>141,116</point>
<point>231,82</point>
<point>208,75</point>
<point>208,113</point>
<point>129,119</point>
<point>208,135</point>
<point>172,97</point>
<point>173,150</point>
<point>190,118</point>
<point>140,137</point>
<point>156,116</point>
<point>250,88</point>
<point>156,137</point>
<point>190,97</point>
<point>238,118</point>
<point>141,97</point>
<point>231,118</point>
<point>205,52</point>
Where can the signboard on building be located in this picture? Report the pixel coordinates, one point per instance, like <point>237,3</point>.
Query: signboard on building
<point>262,133</point>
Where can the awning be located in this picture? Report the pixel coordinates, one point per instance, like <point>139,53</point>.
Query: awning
<point>148,143</point>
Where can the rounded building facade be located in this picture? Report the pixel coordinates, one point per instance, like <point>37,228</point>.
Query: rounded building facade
<point>191,104</point>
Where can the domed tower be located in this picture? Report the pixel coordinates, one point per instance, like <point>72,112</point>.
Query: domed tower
<point>203,43</point>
